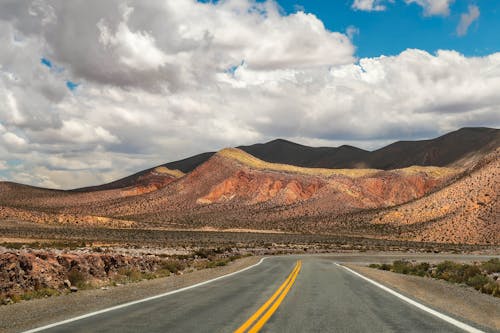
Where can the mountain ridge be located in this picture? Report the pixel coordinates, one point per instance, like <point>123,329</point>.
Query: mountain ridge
<point>454,148</point>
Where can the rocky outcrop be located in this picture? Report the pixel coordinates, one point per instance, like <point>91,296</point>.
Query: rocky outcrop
<point>32,270</point>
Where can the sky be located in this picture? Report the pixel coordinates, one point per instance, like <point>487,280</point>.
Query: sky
<point>91,91</point>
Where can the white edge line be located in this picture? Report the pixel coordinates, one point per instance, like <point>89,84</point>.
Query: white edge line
<point>38,329</point>
<point>440,315</point>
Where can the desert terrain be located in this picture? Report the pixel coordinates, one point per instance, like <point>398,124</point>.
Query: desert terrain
<point>438,195</point>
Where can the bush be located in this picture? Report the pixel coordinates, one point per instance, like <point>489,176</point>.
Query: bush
<point>491,288</point>
<point>491,266</point>
<point>212,264</point>
<point>39,293</point>
<point>402,267</point>
<point>77,278</point>
<point>421,269</point>
<point>385,267</point>
<point>133,275</point>
<point>478,281</point>
<point>472,275</point>
<point>173,266</point>
<point>447,270</point>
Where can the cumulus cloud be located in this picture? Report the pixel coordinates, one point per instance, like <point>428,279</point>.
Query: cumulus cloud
<point>368,5</point>
<point>466,20</point>
<point>160,81</point>
<point>433,7</point>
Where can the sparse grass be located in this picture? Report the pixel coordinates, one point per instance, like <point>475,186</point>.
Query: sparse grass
<point>130,274</point>
<point>435,172</point>
<point>173,266</point>
<point>476,275</point>
<point>40,293</point>
<point>30,294</point>
<point>61,245</point>
<point>217,263</point>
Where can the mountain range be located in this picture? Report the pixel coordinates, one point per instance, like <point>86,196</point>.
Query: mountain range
<point>440,190</point>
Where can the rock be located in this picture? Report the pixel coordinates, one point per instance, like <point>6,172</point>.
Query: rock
<point>73,289</point>
<point>67,283</point>
<point>7,301</point>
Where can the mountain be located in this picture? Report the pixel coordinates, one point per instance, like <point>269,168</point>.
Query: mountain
<point>232,189</point>
<point>458,148</point>
<point>286,152</point>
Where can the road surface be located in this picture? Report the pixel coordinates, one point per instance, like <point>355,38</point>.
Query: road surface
<point>311,294</point>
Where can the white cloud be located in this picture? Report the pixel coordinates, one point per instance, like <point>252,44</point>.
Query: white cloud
<point>208,76</point>
<point>466,20</point>
<point>433,7</point>
<point>352,31</point>
<point>13,141</point>
<point>368,5</point>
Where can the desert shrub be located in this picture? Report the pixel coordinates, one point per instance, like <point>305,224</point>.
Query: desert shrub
<point>162,272</point>
<point>386,267</point>
<point>217,263</point>
<point>173,266</point>
<point>204,253</point>
<point>421,269</point>
<point>478,281</point>
<point>39,293</point>
<point>402,267</point>
<point>448,271</point>
<point>14,246</point>
<point>472,275</point>
<point>491,288</point>
<point>491,266</point>
<point>77,278</point>
<point>469,271</point>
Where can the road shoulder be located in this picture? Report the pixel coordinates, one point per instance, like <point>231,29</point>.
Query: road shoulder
<point>461,301</point>
<point>30,314</point>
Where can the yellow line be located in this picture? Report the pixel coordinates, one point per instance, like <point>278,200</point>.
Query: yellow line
<point>284,286</point>
<point>275,306</point>
<point>256,315</point>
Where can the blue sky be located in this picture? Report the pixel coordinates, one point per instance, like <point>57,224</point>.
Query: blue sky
<point>403,26</point>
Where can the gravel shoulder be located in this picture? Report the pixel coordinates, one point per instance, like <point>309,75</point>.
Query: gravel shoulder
<point>456,300</point>
<point>30,314</point>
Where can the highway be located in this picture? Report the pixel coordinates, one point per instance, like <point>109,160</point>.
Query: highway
<point>281,294</point>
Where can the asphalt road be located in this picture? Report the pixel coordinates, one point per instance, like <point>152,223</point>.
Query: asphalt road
<point>323,298</point>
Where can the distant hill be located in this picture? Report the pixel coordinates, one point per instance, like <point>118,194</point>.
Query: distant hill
<point>458,148</point>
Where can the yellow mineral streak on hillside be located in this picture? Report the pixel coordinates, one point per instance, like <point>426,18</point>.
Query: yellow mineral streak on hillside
<point>164,170</point>
<point>254,162</point>
<point>435,172</point>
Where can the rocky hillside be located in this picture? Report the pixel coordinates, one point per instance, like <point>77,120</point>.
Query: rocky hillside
<point>467,211</point>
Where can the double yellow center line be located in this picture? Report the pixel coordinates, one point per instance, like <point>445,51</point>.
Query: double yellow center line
<point>262,315</point>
